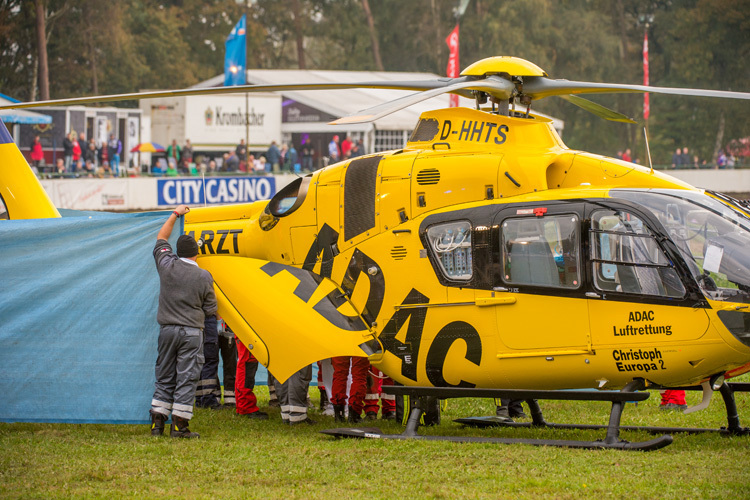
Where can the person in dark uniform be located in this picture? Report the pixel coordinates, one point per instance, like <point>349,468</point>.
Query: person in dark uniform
<point>510,409</point>
<point>186,297</point>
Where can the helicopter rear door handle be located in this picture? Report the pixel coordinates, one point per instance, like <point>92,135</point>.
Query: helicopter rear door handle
<point>495,301</point>
<point>593,295</point>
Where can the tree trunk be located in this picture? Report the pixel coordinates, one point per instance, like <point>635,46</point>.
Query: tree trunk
<point>41,41</point>
<point>373,36</point>
<point>719,136</point>
<point>439,44</point>
<point>33,83</point>
<point>92,61</point>
<point>298,34</point>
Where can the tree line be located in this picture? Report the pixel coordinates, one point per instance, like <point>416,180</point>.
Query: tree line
<point>67,48</point>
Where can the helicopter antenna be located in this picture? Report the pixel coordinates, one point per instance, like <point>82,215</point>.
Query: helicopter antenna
<point>648,150</point>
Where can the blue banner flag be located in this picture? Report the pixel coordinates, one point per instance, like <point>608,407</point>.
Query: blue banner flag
<point>236,55</point>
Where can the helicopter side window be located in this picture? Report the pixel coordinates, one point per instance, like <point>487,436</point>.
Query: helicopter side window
<point>451,245</point>
<point>3,210</point>
<point>541,251</point>
<point>628,259</point>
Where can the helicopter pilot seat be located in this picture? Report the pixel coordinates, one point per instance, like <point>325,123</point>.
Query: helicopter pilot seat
<point>638,279</point>
<point>530,258</point>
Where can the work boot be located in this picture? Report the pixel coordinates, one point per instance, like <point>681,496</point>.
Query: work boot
<point>354,416</point>
<point>388,415</point>
<point>515,410</point>
<point>517,413</point>
<point>180,428</point>
<point>502,412</point>
<point>323,399</point>
<point>256,415</point>
<point>157,424</point>
<point>371,415</point>
<point>307,421</point>
<point>338,413</point>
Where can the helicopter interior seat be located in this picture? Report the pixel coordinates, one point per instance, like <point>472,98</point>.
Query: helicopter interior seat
<point>638,279</point>
<point>531,259</point>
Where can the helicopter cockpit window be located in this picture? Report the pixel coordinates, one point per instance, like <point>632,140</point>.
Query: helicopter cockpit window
<point>627,257</point>
<point>712,237</point>
<point>290,197</point>
<point>541,251</point>
<point>451,245</point>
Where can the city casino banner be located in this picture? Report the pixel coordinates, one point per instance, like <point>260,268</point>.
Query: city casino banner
<point>214,190</point>
<point>137,193</point>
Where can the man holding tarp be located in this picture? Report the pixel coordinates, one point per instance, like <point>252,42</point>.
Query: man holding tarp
<point>186,297</point>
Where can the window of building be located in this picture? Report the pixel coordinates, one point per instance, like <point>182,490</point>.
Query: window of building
<point>451,247</point>
<point>385,140</point>
<point>541,251</point>
<point>628,259</point>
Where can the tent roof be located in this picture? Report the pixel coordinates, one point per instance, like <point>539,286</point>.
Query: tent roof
<point>20,115</point>
<point>345,102</point>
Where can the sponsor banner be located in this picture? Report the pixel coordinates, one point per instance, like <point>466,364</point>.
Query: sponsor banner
<point>131,138</point>
<point>90,194</point>
<point>103,127</point>
<point>221,120</point>
<point>217,190</point>
<point>144,193</point>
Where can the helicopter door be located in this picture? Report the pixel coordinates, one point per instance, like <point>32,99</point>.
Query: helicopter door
<point>539,250</point>
<point>637,297</point>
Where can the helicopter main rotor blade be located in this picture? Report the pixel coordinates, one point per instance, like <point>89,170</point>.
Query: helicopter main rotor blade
<point>497,87</point>
<point>238,89</point>
<point>538,87</point>
<point>597,109</point>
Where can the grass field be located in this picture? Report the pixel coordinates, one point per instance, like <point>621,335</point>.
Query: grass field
<point>240,458</point>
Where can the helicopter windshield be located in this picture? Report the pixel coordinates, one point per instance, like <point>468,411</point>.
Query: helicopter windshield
<point>712,237</point>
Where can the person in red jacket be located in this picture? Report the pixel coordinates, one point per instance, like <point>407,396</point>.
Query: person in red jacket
<point>341,369</point>
<point>77,152</point>
<point>244,383</point>
<point>37,154</point>
<point>673,400</point>
<point>375,381</point>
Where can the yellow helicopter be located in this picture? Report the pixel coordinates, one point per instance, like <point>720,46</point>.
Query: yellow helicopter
<point>484,259</point>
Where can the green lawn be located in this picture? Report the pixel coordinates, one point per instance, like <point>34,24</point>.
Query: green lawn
<point>240,458</point>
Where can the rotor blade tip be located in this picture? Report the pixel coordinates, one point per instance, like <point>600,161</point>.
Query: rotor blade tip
<point>351,119</point>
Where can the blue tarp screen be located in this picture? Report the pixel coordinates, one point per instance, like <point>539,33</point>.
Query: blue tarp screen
<point>78,331</point>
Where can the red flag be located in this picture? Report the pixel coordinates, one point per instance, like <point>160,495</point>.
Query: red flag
<point>452,70</point>
<point>646,104</point>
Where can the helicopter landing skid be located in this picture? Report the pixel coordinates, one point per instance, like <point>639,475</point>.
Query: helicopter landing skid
<point>376,433</point>
<point>425,397</point>
<point>727,391</point>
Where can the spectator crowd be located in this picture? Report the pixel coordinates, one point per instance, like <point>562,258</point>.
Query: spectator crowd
<point>277,159</point>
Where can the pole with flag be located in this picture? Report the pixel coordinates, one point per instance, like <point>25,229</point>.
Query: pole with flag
<point>235,68</point>
<point>646,104</point>
<point>235,58</point>
<point>452,70</point>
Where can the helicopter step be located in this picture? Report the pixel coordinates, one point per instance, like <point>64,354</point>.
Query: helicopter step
<point>727,391</point>
<point>426,396</point>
